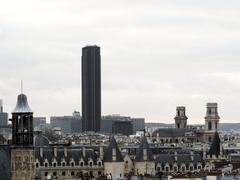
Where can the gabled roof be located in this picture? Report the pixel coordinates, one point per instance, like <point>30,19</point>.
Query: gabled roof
<point>215,146</point>
<point>109,150</point>
<point>144,145</point>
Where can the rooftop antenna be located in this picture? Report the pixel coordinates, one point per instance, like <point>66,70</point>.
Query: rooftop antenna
<point>21,86</point>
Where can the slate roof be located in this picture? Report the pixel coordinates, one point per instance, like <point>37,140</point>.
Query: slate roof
<point>75,153</point>
<point>108,152</point>
<point>22,105</point>
<point>215,146</point>
<point>5,163</point>
<point>170,158</point>
<point>144,145</point>
<point>40,140</point>
<point>2,139</point>
<point>172,132</point>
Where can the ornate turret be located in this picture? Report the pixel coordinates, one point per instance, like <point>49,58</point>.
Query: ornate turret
<point>22,122</point>
<point>22,152</point>
<point>181,118</point>
<point>144,152</point>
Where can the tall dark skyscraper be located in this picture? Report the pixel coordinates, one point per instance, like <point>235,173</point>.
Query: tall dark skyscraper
<point>91,88</point>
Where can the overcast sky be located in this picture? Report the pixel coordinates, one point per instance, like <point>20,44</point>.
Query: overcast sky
<point>156,55</point>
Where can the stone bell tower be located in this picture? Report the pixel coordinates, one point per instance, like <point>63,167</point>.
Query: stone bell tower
<point>211,120</point>
<point>212,117</point>
<point>22,150</point>
<point>181,118</point>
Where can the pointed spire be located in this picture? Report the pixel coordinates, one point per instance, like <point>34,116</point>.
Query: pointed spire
<point>112,152</point>
<point>215,148</point>
<point>144,153</point>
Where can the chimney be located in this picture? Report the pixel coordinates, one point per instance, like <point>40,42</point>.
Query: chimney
<point>55,151</point>
<point>145,155</point>
<point>191,155</point>
<point>84,151</point>
<point>114,158</point>
<point>65,151</point>
<point>41,152</point>
<point>101,152</point>
<point>204,152</point>
<point>175,156</point>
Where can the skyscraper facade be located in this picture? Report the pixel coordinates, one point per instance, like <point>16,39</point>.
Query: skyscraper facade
<point>91,88</point>
<point>3,116</point>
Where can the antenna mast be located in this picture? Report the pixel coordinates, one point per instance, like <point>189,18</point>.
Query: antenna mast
<point>21,86</point>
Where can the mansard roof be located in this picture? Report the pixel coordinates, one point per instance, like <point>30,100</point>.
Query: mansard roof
<point>144,145</point>
<point>75,153</point>
<point>186,158</point>
<point>109,150</point>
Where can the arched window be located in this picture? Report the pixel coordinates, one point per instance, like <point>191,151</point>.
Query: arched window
<point>63,164</point>
<point>72,164</point>
<point>90,164</point>
<point>209,125</point>
<point>100,163</point>
<point>54,164</point>
<point>37,165</point>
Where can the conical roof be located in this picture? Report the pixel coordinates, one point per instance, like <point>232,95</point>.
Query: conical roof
<point>22,105</point>
<point>144,145</point>
<point>216,145</point>
<point>109,150</point>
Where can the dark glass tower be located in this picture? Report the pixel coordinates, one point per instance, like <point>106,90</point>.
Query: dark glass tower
<point>91,88</point>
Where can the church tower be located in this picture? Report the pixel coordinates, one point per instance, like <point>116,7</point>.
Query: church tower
<point>212,117</point>
<point>211,120</point>
<point>22,150</point>
<point>181,118</point>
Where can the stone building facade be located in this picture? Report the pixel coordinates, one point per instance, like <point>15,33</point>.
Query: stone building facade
<point>189,134</point>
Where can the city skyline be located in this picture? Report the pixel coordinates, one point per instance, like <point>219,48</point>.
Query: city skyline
<point>154,56</point>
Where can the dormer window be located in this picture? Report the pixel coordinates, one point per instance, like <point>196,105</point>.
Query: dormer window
<point>54,164</point>
<point>99,163</point>
<point>63,164</point>
<point>90,164</point>
<point>72,164</point>
<point>37,165</point>
<point>81,164</point>
<point>46,164</point>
